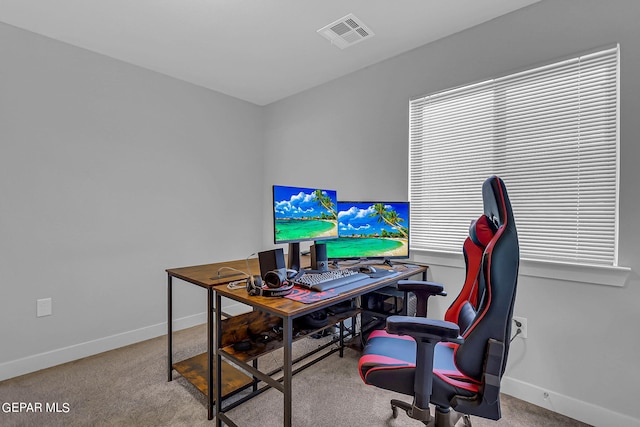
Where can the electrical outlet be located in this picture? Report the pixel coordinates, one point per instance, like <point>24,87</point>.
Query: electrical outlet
<point>43,307</point>
<point>520,323</point>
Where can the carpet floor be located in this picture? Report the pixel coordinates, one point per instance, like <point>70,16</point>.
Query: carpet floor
<point>128,387</point>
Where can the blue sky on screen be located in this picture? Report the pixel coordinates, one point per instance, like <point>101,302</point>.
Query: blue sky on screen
<point>354,218</point>
<point>298,202</point>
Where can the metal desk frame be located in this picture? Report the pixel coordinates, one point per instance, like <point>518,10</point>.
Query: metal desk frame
<point>288,310</point>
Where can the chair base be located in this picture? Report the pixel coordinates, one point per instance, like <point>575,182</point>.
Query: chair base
<point>444,417</point>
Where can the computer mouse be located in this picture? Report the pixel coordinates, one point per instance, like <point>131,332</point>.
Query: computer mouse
<point>367,269</point>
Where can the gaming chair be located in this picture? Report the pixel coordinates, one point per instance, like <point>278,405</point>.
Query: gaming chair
<point>457,363</point>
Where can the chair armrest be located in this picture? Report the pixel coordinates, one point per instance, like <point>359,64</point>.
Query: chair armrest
<point>415,286</point>
<point>421,327</point>
<point>423,290</point>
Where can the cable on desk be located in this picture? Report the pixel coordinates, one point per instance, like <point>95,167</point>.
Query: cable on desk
<point>235,284</point>
<point>229,268</point>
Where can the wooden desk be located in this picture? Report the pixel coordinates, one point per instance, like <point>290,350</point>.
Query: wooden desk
<point>208,370</point>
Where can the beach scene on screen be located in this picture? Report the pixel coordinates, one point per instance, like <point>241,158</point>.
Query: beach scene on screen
<point>371,230</point>
<point>304,214</point>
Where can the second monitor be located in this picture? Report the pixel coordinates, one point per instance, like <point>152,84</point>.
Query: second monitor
<point>378,230</point>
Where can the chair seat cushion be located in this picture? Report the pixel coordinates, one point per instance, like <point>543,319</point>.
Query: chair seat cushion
<point>388,362</point>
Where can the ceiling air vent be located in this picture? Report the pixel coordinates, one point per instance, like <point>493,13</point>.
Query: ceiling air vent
<point>346,31</point>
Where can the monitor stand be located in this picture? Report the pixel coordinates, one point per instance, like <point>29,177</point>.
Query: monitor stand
<point>293,257</point>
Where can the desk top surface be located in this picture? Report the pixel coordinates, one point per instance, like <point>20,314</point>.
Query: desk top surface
<point>208,275</point>
<point>218,275</point>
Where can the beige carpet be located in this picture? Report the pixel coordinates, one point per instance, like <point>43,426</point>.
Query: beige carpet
<point>128,387</point>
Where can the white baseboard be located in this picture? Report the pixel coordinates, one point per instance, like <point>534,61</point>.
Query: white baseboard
<point>36,362</point>
<point>565,405</point>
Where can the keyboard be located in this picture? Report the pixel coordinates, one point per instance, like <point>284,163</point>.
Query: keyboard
<point>329,279</point>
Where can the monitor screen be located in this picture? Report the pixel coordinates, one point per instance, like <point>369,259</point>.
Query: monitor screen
<point>301,214</point>
<point>371,230</point>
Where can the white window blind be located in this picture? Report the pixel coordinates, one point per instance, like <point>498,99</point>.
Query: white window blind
<point>551,133</point>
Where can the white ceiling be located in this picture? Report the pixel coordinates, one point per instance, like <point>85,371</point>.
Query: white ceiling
<point>256,50</point>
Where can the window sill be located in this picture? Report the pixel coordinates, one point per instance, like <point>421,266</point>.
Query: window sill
<point>592,274</point>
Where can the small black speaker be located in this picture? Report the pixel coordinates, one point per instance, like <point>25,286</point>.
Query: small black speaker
<point>271,260</point>
<point>319,259</point>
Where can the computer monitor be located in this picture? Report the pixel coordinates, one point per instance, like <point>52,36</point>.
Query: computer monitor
<point>303,214</point>
<point>371,230</point>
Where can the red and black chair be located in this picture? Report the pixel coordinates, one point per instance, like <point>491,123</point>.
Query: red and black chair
<point>457,363</point>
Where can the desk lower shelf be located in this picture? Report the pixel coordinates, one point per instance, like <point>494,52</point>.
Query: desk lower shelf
<point>195,369</point>
<point>238,325</point>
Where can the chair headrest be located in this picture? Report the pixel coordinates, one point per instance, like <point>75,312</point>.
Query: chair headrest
<point>496,202</point>
<point>482,230</point>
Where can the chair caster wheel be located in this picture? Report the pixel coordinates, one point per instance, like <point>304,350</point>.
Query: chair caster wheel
<point>394,411</point>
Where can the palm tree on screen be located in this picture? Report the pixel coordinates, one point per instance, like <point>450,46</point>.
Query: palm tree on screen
<point>389,216</point>
<point>326,202</point>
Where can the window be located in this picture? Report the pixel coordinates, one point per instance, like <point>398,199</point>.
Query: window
<point>551,133</point>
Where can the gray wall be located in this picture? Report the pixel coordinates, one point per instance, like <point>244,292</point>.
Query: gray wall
<point>110,174</point>
<point>583,342</point>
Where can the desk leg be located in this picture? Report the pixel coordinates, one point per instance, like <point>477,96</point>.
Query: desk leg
<point>211,353</point>
<point>169,327</point>
<point>287,369</point>
<point>217,330</point>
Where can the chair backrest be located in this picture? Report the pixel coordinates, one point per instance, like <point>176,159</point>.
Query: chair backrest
<point>484,307</point>
<point>463,309</point>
